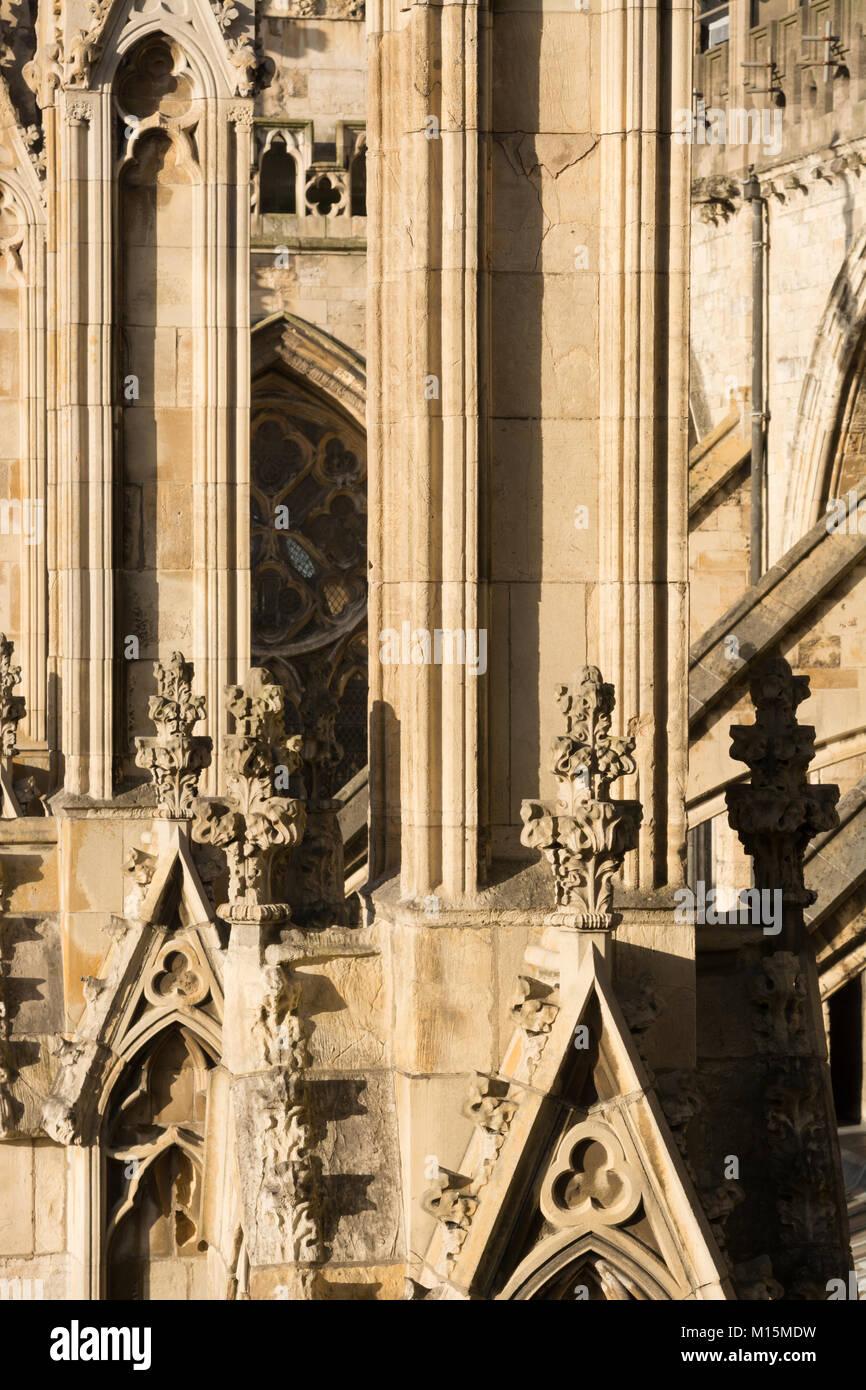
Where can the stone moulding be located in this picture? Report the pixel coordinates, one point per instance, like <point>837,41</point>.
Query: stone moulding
<point>585,834</point>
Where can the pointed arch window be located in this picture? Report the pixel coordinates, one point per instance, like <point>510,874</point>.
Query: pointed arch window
<point>154,1139</point>
<point>278,174</point>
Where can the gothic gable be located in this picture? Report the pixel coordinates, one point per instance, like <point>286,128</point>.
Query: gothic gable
<point>572,1185</point>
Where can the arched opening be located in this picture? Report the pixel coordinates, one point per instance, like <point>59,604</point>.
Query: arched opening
<point>849,460</point>
<point>153,1140</point>
<point>158,268</point>
<point>277,179</point>
<point>358,183</point>
<point>595,1267</point>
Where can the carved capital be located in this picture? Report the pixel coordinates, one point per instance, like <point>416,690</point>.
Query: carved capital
<point>78,113</point>
<point>241,114</point>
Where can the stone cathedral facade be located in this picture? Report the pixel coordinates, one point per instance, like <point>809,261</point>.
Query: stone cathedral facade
<point>433,655</point>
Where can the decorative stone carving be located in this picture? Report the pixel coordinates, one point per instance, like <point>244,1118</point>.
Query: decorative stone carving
<point>7,1069</point>
<point>245,61</point>
<point>584,834</point>
<point>175,757</point>
<point>12,707</point>
<point>44,73</point>
<point>67,1113</point>
<point>534,1013</point>
<point>177,978</point>
<point>12,711</point>
<point>225,13</point>
<point>59,1121</point>
<point>590,1182</point>
<point>281,1029</point>
<point>252,824</point>
<point>490,1108</point>
<point>78,113</point>
<point>681,1100</point>
<point>452,1201</point>
<point>716,198</point>
<point>778,812</point>
<point>32,136</point>
<point>86,45</point>
<point>140,868</point>
<point>616,1285</point>
<point>93,987</point>
<point>779,996</point>
<point>291,1191</point>
<point>241,114</point>
<point>640,1003</point>
<point>797,1129</point>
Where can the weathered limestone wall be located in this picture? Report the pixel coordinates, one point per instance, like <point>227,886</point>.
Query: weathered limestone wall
<point>313,263</point>
<point>810,235</point>
<point>33,1229</point>
<point>809,157</point>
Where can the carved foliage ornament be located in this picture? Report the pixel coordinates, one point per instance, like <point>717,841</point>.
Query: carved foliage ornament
<point>584,834</point>
<point>251,823</point>
<point>86,45</point>
<point>452,1201</point>
<point>291,1192</point>
<point>12,707</point>
<point>7,1070</point>
<point>175,757</point>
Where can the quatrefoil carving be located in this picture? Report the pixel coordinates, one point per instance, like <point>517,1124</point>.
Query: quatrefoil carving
<point>178,977</point>
<point>590,1182</point>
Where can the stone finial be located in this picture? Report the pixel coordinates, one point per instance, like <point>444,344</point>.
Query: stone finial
<point>174,757</point>
<point>251,823</point>
<point>12,707</point>
<point>585,834</point>
<point>777,812</point>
